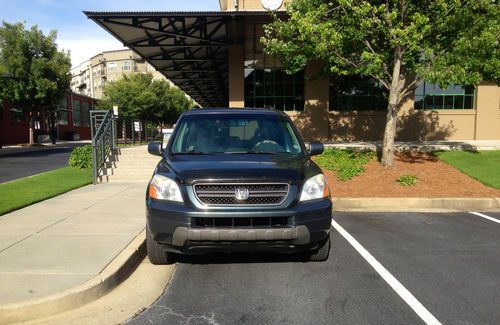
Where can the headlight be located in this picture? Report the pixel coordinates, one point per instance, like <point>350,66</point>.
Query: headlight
<point>164,188</point>
<point>315,187</point>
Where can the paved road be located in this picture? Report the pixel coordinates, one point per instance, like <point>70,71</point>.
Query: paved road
<point>19,165</point>
<point>450,263</point>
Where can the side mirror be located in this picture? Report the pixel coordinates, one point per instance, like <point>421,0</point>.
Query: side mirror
<point>316,148</point>
<point>154,148</point>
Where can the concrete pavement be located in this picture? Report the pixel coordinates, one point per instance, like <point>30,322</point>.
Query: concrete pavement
<point>60,243</point>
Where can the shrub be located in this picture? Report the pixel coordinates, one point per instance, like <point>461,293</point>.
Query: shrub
<point>345,163</point>
<point>81,157</point>
<point>407,180</point>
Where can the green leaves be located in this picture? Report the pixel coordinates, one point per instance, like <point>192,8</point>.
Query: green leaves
<point>345,163</point>
<point>407,180</point>
<point>139,96</point>
<point>81,157</point>
<point>442,41</point>
<point>40,73</point>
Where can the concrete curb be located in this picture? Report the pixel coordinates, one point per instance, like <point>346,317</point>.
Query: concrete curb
<point>114,273</point>
<point>420,146</point>
<point>416,204</point>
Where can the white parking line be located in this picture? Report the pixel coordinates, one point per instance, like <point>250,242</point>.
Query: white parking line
<point>406,295</point>
<point>485,216</point>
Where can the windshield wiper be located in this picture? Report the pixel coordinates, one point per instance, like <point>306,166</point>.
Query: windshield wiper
<point>259,152</point>
<point>190,152</point>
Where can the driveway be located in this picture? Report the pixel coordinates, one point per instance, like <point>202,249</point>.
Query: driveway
<point>22,164</point>
<point>384,268</point>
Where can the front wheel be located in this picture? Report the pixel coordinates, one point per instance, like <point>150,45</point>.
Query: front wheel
<point>156,254</point>
<point>321,254</point>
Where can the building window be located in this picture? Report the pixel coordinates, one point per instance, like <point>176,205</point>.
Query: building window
<point>111,66</point>
<point>17,115</point>
<point>357,93</point>
<point>273,88</point>
<point>455,96</point>
<point>62,112</point>
<point>126,65</point>
<point>62,117</point>
<point>77,118</point>
<point>86,114</point>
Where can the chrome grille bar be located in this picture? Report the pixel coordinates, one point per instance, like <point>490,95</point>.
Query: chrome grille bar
<point>223,194</point>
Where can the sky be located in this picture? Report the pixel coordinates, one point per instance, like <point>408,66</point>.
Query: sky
<point>81,36</point>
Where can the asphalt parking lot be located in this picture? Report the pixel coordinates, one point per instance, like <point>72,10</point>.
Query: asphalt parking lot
<point>393,268</point>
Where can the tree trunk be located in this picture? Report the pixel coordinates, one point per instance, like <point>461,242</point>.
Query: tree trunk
<point>392,111</point>
<point>388,143</point>
<point>32,128</point>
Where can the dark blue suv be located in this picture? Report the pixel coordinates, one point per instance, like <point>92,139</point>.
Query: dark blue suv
<point>237,180</point>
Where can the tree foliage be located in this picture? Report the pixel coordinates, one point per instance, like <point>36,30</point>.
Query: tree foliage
<point>38,73</point>
<point>140,96</point>
<point>440,41</point>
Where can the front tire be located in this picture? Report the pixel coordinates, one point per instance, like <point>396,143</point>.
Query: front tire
<point>321,254</point>
<point>156,254</point>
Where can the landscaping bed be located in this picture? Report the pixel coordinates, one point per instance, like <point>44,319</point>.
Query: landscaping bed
<point>424,175</point>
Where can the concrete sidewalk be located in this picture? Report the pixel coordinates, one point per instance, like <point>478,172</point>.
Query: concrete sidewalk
<point>60,243</point>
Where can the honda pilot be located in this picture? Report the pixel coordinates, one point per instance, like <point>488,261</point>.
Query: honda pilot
<point>237,180</point>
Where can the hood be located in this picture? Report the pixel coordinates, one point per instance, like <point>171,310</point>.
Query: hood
<point>238,168</point>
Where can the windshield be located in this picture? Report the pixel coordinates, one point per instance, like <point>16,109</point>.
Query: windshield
<point>233,134</point>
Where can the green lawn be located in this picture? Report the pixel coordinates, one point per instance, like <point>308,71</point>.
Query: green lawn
<point>345,163</point>
<point>18,194</point>
<point>483,165</point>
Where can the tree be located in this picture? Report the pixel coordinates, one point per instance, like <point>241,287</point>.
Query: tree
<point>392,41</point>
<point>171,102</point>
<point>139,96</point>
<point>39,74</point>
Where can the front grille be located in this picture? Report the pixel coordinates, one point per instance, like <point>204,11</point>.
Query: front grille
<point>229,222</point>
<point>225,194</point>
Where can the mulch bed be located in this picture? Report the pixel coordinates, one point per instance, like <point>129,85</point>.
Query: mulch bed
<point>435,179</point>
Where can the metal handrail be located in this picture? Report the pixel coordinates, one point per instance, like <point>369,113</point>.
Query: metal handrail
<point>103,129</point>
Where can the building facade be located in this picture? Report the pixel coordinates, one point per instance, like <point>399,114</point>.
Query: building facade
<point>217,58</point>
<point>72,120</point>
<point>89,77</point>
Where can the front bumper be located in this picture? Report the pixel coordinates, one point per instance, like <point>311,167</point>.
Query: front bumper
<point>171,226</point>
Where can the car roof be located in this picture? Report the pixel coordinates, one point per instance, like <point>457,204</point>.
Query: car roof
<point>225,110</point>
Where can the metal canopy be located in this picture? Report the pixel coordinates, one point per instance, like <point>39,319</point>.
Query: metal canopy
<point>189,48</point>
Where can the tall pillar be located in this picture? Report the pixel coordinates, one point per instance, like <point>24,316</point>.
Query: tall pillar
<point>236,57</point>
<point>487,112</point>
<point>314,120</point>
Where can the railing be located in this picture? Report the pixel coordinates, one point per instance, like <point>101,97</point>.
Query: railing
<point>134,131</point>
<point>103,128</point>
